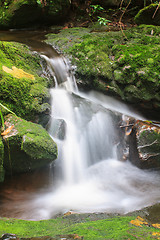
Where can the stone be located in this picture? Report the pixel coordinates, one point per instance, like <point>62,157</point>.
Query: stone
<point>57,128</point>
<point>149,144</point>
<point>22,88</point>
<point>29,13</point>
<point>9,236</point>
<point>28,146</point>
<point>130,74</point>
<point>148,15</point>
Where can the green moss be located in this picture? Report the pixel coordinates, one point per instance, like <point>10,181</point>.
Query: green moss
<point>20,95</point>
<point>128,65</point>
<point>30,146</point>
<point>111,228</point>
<point>118,75</point>
<point>89,52</point>
<point>39,147</point>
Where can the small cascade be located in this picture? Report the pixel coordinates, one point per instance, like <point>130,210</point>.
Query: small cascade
<point>80,148</point>
<point>61,72</point>
<point>85,142</point>
<point>90,177</point>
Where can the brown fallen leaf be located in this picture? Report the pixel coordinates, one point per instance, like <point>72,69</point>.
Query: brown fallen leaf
<point>7,131</point>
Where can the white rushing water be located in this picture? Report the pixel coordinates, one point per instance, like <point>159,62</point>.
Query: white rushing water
<point>90,177</point>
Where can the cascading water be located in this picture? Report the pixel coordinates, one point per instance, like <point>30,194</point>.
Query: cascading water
<point>90,176</point>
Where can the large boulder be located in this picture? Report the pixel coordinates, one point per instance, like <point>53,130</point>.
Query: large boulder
<point>29,13</point>
<point>27,146</point>
<point>123,64</point>
<point>23,88</point>
<point>149,15</point>
<point>142,142</point>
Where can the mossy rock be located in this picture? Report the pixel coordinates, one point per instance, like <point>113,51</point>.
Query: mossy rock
<point>29,13</point>
<point>121,64</point>
<point>149,15</point>
<point>89,52</point>
<point>27,96</point>
<point>149,145</point>
<point>28,146</point>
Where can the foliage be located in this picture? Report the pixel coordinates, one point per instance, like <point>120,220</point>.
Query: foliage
<point>95,9</point>
<point>5,3</point>
<point>103,21</point>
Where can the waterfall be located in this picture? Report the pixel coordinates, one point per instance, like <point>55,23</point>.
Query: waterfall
<point>90,177</point>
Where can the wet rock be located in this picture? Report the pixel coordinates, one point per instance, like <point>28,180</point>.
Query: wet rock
<point>8,236</point>
<point>29,13</point>
<point>142,142</point>
<point>58,237</point>
<point>69,237</point>
<point>39,238</point>
<point>149,146</point>
<point>133,150</point>
<point>148,15</point>
<point>153,213</point>
<point>27,146</point>
<point>57,128</point>
<point>143,139</point>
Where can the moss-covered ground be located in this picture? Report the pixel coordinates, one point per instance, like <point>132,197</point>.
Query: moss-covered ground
<point>123,227</point>
<point>24,96</point>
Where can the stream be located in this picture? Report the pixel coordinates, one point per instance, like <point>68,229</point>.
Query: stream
<point>89,175</point>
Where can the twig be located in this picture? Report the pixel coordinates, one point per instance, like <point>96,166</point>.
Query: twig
<point>144,122</point>
<point>149,156</point>
<point>148,145</point>
<point>120,20</point>
<point>156,10</point>
<point>126,126</point>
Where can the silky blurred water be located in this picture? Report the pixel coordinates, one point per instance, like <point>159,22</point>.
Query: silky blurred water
<point>88,175</point>
<point>92,179</point>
